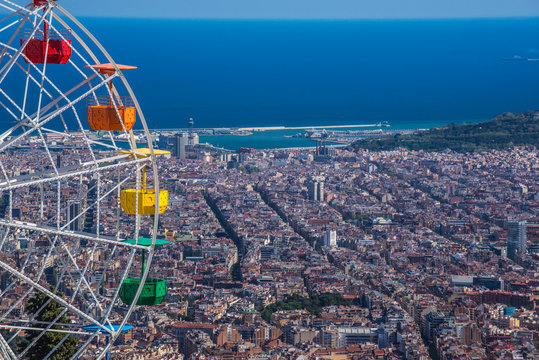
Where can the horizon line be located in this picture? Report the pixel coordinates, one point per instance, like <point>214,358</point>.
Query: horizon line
<point>520,17</point>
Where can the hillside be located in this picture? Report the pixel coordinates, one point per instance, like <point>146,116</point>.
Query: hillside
<point>501,132</point>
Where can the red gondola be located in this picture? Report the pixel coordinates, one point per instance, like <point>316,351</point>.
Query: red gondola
<point>59,41</point>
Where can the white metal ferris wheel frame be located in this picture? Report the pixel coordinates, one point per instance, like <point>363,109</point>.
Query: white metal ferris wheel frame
<point>37,122</point>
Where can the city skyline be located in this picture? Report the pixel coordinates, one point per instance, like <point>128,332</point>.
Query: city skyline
<point>381,241</point>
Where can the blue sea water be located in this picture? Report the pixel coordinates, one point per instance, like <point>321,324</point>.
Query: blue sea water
<point>239,73</point>
<point>411,73</point>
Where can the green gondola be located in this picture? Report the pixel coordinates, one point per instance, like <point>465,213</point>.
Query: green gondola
<point>154,290</point>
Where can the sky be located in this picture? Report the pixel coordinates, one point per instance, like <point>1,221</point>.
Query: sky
<point>304,9</point>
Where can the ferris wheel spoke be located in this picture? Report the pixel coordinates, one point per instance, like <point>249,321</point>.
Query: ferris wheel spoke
<point>91,142</point>
<point>68,172</point>
<point>16,6</point>
<point>82,279</point>
<point>13,23</point>
<point>53,296</point>
<point>44,69</point>
<point>34,80</point>
<point>9,16</point>
<point>9,111</point>
<point>98,201</point>
<point>40,274</point>
<point>4,172</point>
<point>30,119</point>
<point>4,237</point>
<point>28,321</point>
<point>106,266</point>
<point>17,12</point>
<point>45,304</point>
<point>5,350</point>
<point>114,333</point>
<point>49,82</point>
<point>80,41</point>
<point>70,273</point>
<point>20,300</point>
<point>70,103</point>
<point>40,99</point>
<point>19,109</point>
<point>43,330</point>
<point>9,131</point>
<point>87,141</point>
<point>72,234</point>
<point>22,22</point>
<point>9,64</point>
<point>47,118</point>
<point>56,347</point>
<point>12,9</point>
<point>82,273</point>
<point>63,96</point>
<point>48,329</point>
<point>74,49</point>
<point>55,102</point>
<point>25,98</point>
<point>49,22</point>
<point>10,285</point>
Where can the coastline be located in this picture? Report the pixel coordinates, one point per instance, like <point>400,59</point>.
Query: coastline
<point>266,139</point>
<point>276,128</point>
<point>282,137</point>
<point>270,128</point>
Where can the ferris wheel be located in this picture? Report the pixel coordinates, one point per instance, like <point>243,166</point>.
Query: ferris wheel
<point>80,198</point>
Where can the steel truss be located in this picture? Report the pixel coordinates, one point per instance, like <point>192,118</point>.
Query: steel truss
<point>45,108</point>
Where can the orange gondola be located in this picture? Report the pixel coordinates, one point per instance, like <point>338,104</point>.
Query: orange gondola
<point>111,112</point>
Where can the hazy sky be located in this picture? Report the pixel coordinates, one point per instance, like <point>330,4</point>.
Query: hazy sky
<point>303,9</point>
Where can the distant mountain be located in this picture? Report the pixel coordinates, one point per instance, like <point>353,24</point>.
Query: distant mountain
<point>503,131</point>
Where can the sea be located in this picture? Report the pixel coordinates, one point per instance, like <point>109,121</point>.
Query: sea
<point>255,73</point>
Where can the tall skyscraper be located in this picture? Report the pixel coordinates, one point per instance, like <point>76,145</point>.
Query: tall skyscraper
<point>316,189</point>
<point>89,217</point>
<point>193,137</point>
<point>180,141</point>
<point>516,238</point>
<point>330,238</point>
<point>73,210</point>
<point>190,123</point>
<point>311,191</point>
<point>166,142</point>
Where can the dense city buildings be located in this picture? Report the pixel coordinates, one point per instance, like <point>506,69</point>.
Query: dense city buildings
<point>283,254</point>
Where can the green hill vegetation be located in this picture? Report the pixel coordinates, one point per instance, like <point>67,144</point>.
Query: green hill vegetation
<point>312,304</point>
<point>503,131</point>
<point>46,311</point>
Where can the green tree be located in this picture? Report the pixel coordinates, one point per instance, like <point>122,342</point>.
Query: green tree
<point>312,304</point>
<point>235,272</point>
<point>502,132</point>
<point>49,340</point>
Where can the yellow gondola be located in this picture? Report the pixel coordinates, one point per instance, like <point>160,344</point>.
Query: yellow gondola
<point>146,196</point>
